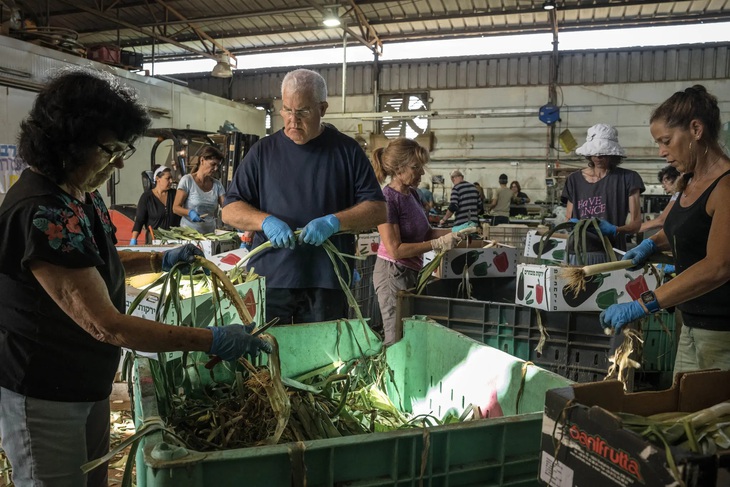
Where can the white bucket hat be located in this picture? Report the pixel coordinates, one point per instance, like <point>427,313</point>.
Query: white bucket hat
<point>602,140</point>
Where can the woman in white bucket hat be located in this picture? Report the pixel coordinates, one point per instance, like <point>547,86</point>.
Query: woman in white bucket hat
<point>605,191</point>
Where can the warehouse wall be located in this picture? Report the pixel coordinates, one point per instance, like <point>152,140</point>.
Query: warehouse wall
<point>618,86</point>
<point>25,66</point>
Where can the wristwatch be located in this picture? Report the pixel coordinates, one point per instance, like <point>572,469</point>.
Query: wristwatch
<point>650,301</point>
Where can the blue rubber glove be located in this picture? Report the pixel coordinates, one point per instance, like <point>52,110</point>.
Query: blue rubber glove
<point>641,252</point>
<point>463,226</point>
<point>278,233</point>
<point>573,220</point>
<point>186,254</point>
<point>618,315</point>
<point>233,341</point>
<point>193,216</point>
<point>245,245</point>
<point>319,230</point>
<point>667,268</point>
<point>607,228</point>
<point>132,241</point>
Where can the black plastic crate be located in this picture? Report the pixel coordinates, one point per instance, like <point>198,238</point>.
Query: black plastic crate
<point>576,347</point>
<point>364,292</point>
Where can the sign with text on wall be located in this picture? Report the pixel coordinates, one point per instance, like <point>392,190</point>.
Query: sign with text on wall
<point>10,166</point>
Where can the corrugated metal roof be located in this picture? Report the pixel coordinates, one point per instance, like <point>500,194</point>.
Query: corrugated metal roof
<point>172,29</point>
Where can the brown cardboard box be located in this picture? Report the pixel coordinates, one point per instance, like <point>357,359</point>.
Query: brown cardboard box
<point>589,446</point>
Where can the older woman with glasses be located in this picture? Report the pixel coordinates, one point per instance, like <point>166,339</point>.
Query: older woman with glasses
<point>199,194</point>
<point>62,293</point>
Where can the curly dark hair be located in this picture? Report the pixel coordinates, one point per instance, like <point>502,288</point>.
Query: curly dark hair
<point>668,172</point>
<point>69,116</point>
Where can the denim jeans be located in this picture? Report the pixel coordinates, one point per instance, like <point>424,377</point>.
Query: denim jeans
<point>48,441</point>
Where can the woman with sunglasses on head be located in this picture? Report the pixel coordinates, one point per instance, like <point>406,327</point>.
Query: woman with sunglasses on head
<point>154,209</point>
<point>199,194</point>
<point>62,291</point>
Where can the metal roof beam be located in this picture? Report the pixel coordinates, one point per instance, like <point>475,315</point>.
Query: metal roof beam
<point>454,33</point>
<point>139,29</point>
<point>218,18</point>
<point>201,34</point>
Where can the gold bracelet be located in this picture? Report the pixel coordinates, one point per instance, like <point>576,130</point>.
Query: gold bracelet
<point>152,262</point>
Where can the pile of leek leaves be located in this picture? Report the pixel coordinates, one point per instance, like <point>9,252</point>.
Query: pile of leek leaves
<point>249,404</point>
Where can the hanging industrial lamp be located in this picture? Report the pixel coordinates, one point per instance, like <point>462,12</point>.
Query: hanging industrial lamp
<point>548,5</point>
<point>222,69</point>
<point>331,18</point>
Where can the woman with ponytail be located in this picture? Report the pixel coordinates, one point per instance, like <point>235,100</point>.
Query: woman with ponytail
<point>406,235</point>
<point>686,128</point>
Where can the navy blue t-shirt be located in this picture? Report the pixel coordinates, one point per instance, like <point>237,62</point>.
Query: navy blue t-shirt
<point>297,183</point>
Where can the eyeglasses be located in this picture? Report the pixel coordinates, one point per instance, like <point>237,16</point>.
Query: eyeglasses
<point>301,113</point>
<point>125,153</point>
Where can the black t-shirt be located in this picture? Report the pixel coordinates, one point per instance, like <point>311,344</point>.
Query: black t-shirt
<point>297,183</point>
<point>43,353</point>
<point>688,230</point>
<point>152,213</point>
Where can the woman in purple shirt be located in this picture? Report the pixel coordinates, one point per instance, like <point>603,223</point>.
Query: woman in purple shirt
<point>406,235</point>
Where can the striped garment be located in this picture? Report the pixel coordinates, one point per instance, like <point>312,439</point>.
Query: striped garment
<point>465,203</point>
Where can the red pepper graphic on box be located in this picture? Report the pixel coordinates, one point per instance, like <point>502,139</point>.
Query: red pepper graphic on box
<point>501,262</point>
<point>636,287</point>
<point>539,293</point>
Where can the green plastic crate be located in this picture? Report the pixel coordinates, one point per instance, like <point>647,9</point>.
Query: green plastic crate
<point>660,344</point>
<point>434,369</point>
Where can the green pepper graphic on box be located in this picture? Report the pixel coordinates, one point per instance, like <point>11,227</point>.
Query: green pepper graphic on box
<point>608,298</point>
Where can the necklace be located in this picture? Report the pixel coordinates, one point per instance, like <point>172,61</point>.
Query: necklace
<point>706,169</point>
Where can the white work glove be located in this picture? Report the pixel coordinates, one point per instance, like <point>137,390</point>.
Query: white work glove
<point>446,242</point>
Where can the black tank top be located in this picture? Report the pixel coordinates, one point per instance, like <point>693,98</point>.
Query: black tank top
<point>688,230</point>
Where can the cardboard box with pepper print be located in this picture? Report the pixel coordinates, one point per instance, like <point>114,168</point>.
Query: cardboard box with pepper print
<point>367,244</point>
<point>542,287</point>
<point>477,261</point>
<point>552,249</point>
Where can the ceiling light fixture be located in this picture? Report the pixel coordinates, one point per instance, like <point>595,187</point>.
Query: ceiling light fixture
<point>548,5</point>
<point>331,18</point>
<point>222,69</point>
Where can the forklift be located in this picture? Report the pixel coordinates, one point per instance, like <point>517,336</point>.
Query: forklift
<point>178,149</point>
<point>184,145</point>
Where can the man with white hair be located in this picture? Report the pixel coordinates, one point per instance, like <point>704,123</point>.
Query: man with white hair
<point>465,203</point>
<point>307,175</point>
